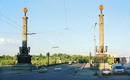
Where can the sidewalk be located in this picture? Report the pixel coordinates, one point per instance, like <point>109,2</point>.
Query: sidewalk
<point>10,72</point>
<point>88,72</point>
<point>85,71</point>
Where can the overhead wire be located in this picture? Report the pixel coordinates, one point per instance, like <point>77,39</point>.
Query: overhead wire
<point>21,26</point>
<point>51,31</point>
<point>66,17</point>
<point>66,22</point>
<point>11,24</point>
<point>9,19</point>
<point>9,33</point>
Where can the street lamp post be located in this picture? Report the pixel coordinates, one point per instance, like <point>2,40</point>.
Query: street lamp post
<point>55,54</point>
<point>90,60</point>
<point>55,58</point>
<point>48,55</point>
<point>95,39</point>
<point>95,62</point>
<point>95,43</point>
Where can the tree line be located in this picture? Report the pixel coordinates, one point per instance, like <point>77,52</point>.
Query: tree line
<point>39,60</point>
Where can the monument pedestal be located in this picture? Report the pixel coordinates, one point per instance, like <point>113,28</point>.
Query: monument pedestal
<point>24,58</point>
<point>101,61</point>
<point>24,63</point>
<point>24,67</point>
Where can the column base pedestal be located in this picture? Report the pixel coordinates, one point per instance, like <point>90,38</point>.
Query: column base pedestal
<point>24,67</point>
<point>24,63</point>
<point>103,65</point>
<point>101,61</point>
<point>24,58</point>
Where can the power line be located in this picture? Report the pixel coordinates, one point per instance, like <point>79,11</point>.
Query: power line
<point>51,31</point>
<point>9,33</point>
<point>9,19</point>
<point>10,24</point>
<point>66,18</point>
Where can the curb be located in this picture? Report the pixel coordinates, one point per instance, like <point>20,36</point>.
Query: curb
<point>11,73</point>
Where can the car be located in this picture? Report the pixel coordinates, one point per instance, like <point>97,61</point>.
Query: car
<point>70,63</point>
<point>42,70</point>
<point>118,70</point>
<point>106,71</point>
<point>58,68</point>
<point>127,70</point>
<point>76,69</point>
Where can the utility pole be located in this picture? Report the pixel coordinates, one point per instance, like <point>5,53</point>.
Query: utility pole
<point>55,47</point>
<point>48,55</point>
<point>55,58</point>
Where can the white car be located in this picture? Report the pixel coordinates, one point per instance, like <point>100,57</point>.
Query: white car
<point>57,68</point>
<point>106,71</point>
<point>42,70</point>
<point>70,63</point>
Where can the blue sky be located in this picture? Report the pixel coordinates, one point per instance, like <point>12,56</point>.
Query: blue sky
<point>64,23</point>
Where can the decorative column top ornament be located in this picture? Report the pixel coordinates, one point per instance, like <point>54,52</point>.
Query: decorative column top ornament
<point>25,10</point>
<point>101,7</point>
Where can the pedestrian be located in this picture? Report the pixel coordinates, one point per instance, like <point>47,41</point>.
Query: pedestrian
<point>76,70</point>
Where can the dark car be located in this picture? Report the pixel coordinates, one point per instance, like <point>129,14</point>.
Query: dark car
<point>127,70</point>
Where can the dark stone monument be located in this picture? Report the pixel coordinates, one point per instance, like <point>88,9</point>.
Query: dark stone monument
<point>24,59</point>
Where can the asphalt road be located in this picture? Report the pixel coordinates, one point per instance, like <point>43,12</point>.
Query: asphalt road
<point>68,73</point>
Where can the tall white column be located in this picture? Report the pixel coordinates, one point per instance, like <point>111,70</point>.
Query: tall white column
<point>24,35</point>
<point>101,30</point>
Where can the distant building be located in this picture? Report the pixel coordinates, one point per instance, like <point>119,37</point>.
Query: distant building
<point>125,60</point>
<point>84,54</point>
<point>113,55</point>
<point>120,59</point>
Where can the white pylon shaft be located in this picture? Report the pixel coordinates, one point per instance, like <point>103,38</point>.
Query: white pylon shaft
<point>101,33</point>
<point>24,35</point>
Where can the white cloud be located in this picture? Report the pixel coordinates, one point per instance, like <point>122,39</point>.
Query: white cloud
<point>4,41</point>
